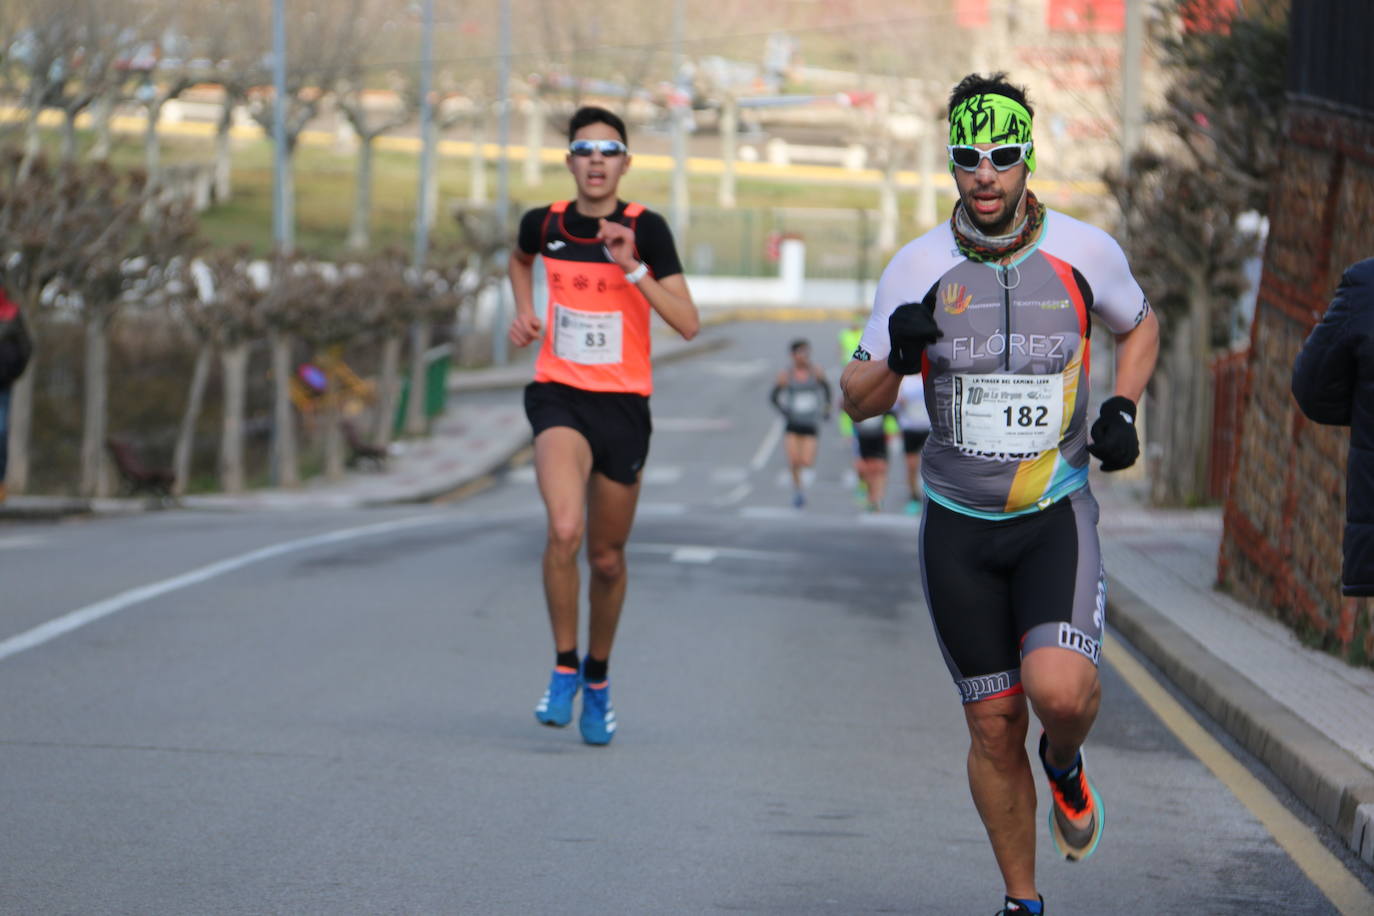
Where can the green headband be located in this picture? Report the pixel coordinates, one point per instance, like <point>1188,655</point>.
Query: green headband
<point>990,119</point>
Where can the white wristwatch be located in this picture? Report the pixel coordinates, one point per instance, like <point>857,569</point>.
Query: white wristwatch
<point>637,274</point>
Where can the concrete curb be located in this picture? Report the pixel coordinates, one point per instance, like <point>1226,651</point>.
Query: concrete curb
<point>434,491</point>
<point>56,508</point>
<point>1329,780</point>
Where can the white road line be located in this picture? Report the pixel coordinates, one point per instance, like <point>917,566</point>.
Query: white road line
<point>661,509</point>
<point>885,520</point>
<point>702,553</point>
<point>769,512</point>
<point>735,496</point>
<point>692,554</point>
<point>658,474</point>
<point>692,424</point>
<point>73,620</point>
<point>726,475</point>
<point>20,541</point>
<point>766,447</point>
<point>783,480</point>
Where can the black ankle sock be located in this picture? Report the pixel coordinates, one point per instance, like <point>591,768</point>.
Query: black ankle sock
<point>567,659</point>
<point>594,670</point>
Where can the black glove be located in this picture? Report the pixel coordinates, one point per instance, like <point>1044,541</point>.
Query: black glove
<point>1114,438</point>
<point>910,328</point>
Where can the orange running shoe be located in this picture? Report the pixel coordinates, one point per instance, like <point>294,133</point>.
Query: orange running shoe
<point>1077,815</point>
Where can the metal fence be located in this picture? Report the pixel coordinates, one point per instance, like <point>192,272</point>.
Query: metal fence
<point>840,243</point>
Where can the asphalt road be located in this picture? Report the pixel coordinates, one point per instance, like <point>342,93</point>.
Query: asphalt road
<point>345,726</point>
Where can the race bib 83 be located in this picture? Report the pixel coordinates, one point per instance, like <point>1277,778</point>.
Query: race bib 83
<point>587,338</point>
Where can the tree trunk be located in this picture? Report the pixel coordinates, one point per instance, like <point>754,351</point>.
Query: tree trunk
<point>33,140</point>
<point>152,150</point>
<point>101,113</point>
<point>235,363</point>
<point>416,422</point>
<point>224,155</point>
<point>334,457</point>
<point>289,199</point>
<point>360,233</point>
<point>534,142</point>
<point>95,409</point>
<point>21,423</point>
<point>285,451</point>
<point>477,187</point>
<point>1200,396</point>
<point>186,433</point>
<point>1182,420</point>
<point>388,391</point>
<point>68,148</point>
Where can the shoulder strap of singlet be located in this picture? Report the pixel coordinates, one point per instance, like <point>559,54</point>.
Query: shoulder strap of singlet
<point>555,208</point>
<point>632,210</point>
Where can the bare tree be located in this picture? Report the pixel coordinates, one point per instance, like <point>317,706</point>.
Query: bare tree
<point>1182,210</point>
<point>237,321</point>
<point>189,296</point>
<point>324,40</point>
<point>369,123</point>
<point>35,212</point>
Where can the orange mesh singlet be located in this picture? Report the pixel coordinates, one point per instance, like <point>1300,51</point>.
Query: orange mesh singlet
<point>597,324</point>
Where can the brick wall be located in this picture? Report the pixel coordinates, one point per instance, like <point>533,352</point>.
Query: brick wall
<point>1281,547</point>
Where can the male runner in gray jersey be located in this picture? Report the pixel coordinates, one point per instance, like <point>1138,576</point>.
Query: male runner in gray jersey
<point>802,395</point>
<point>994,308</point>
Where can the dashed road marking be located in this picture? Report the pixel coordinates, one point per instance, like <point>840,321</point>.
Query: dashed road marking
<point>768,445</point>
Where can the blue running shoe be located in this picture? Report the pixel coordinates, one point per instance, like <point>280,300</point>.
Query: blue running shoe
<point>555,707</point>
<point>598,716</point>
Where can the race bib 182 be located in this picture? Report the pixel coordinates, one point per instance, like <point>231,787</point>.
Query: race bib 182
<point>1013,414</point>
<point>588,338</point>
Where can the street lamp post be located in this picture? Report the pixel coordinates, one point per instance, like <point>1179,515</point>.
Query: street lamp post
<point>500,352</point>
<point>282,233</point>
<point>415,420</point>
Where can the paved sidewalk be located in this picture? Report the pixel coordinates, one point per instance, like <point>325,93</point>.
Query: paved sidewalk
<point>1307,715</point>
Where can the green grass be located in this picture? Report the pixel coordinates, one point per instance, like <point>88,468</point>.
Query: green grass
<point>325,192</point>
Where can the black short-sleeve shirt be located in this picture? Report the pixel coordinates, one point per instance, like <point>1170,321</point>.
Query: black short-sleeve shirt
<point>653,238</point>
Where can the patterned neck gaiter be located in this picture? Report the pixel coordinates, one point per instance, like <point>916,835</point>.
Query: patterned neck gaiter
<point>976,246</point>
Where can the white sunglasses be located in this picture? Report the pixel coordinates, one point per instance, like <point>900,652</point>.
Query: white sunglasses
<point>1002,157</point>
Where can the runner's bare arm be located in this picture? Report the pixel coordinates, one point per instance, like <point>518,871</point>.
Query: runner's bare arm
<point>1136,352</point>
<point>525,327</point>
<point>673,302</point>
<point>869,388</point>
<point>668,296</point>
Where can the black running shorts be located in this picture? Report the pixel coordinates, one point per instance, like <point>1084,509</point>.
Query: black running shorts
<point>999,589</point>
<point>802,429</point>
<point>872,446</point>
<point>912,440</point>
<point>615,424</point>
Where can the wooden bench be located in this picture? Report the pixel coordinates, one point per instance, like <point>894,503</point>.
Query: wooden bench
<point>139,477</point>
<point>361,451</point>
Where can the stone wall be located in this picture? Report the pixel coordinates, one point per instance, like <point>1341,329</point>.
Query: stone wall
<point>1281,548</point>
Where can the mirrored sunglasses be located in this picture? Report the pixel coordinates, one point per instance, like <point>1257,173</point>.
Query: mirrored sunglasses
<point>604,147</point>
<point>1002,157</point>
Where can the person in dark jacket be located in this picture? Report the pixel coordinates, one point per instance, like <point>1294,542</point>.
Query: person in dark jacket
<point>1333,382</point>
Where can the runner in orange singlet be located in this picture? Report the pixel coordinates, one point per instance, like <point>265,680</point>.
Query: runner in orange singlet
<point>607,263</point>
